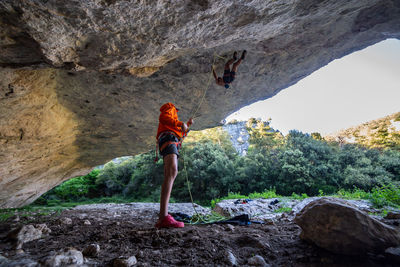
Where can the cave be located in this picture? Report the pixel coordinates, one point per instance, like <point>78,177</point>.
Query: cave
<point>82,81</point>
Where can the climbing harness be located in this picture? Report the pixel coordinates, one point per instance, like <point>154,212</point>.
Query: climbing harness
<point>164,145</point>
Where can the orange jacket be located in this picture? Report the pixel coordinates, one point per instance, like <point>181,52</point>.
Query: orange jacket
<point>168,120</point>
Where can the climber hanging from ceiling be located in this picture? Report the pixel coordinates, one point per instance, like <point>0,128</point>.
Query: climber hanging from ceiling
<point>229,75</point>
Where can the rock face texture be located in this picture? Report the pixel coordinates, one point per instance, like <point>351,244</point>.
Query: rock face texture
<point>338,226</point>
<point>239,136</point>
<point>81,81</point>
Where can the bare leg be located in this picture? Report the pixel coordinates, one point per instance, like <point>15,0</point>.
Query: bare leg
<point>236,65</point>
<point>170,173</point>
<point>230,61</point>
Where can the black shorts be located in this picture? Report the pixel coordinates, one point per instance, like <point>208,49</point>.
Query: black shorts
<point>171,148</point>
<point>229,76</point>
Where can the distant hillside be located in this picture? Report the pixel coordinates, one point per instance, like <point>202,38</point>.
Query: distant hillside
<point>380,133</point>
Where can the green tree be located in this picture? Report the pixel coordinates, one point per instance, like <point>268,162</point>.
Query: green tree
<point>114,177</point>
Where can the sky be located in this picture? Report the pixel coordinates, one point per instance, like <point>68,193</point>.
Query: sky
<point>357,88</point>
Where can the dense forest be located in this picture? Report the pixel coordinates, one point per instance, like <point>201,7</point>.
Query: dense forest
<point>294,164</point>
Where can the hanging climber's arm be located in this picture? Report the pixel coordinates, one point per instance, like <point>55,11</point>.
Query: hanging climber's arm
<point>218,80</point>
<point>215,74</point>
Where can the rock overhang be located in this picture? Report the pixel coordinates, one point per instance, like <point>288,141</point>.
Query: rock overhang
<point>82,81</point>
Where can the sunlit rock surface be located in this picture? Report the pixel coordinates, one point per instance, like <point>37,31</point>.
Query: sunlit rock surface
<point>239,136</point>
<point>82,81</point>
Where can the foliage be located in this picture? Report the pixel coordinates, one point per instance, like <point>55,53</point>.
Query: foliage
<point>356,193</point>
<point>283,209</point>
<point>73,189</point>
<point>380,134</point>
<point>386,195</point>
<point>299,197</point>
<point>29,211</point>
<point>297,165</point>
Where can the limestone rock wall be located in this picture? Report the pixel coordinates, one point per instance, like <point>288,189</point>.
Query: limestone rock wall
<point>81,82</point>
<point>239,136</point>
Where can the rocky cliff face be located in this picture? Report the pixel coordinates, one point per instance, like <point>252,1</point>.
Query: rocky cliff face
<point>239,136</point>
<point>81,81</point>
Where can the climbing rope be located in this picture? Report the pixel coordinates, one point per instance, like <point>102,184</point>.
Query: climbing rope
<point>207,86</point>
<point>200,218</point>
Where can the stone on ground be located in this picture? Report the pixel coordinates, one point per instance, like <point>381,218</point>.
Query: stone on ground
<point>66,257</point>
<point>257,260</point>
<point>18,263</point>
<point>66,221</point>
<point>27,233</point>
<point>262,209</point>
<point>393,254</point>
<point>123,262</point>
<point>91,251</point>
<point>337,226</point>
<point>230,258</point>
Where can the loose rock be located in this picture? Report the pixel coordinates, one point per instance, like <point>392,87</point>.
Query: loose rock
<point>230,227</point>
<point>91,251</point>
<point>123,262</point>
<point>25,234</point>
<point>3,261</point>
<point>66,257</point>
<point>43,227</point>
<point>393,254</point>
<point>87,222</point>
<point>21,263</point>
<point>257,260</point>
<point>66,221</point>
<point>231,259</point>
<point>335,225</point>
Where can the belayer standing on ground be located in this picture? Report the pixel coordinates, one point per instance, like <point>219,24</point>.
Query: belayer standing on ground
<point>229,75</point>
<point>169,137</point>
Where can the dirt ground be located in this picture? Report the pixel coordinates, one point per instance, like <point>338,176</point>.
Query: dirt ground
<point>125,233</point>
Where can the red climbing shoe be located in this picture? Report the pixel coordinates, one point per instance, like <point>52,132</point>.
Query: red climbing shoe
<point>169,222</point>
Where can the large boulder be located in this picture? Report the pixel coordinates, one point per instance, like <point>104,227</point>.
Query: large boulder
<point>82,81</point>
<point>338,226</point>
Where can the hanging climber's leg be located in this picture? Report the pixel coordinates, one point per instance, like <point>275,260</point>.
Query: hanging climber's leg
<point>237,63</point>
<point>227,64</point>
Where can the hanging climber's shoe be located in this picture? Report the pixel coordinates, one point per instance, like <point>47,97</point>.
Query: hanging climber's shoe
<point>235,55</point>
<point>169,222</point>
<point>243,54</point>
